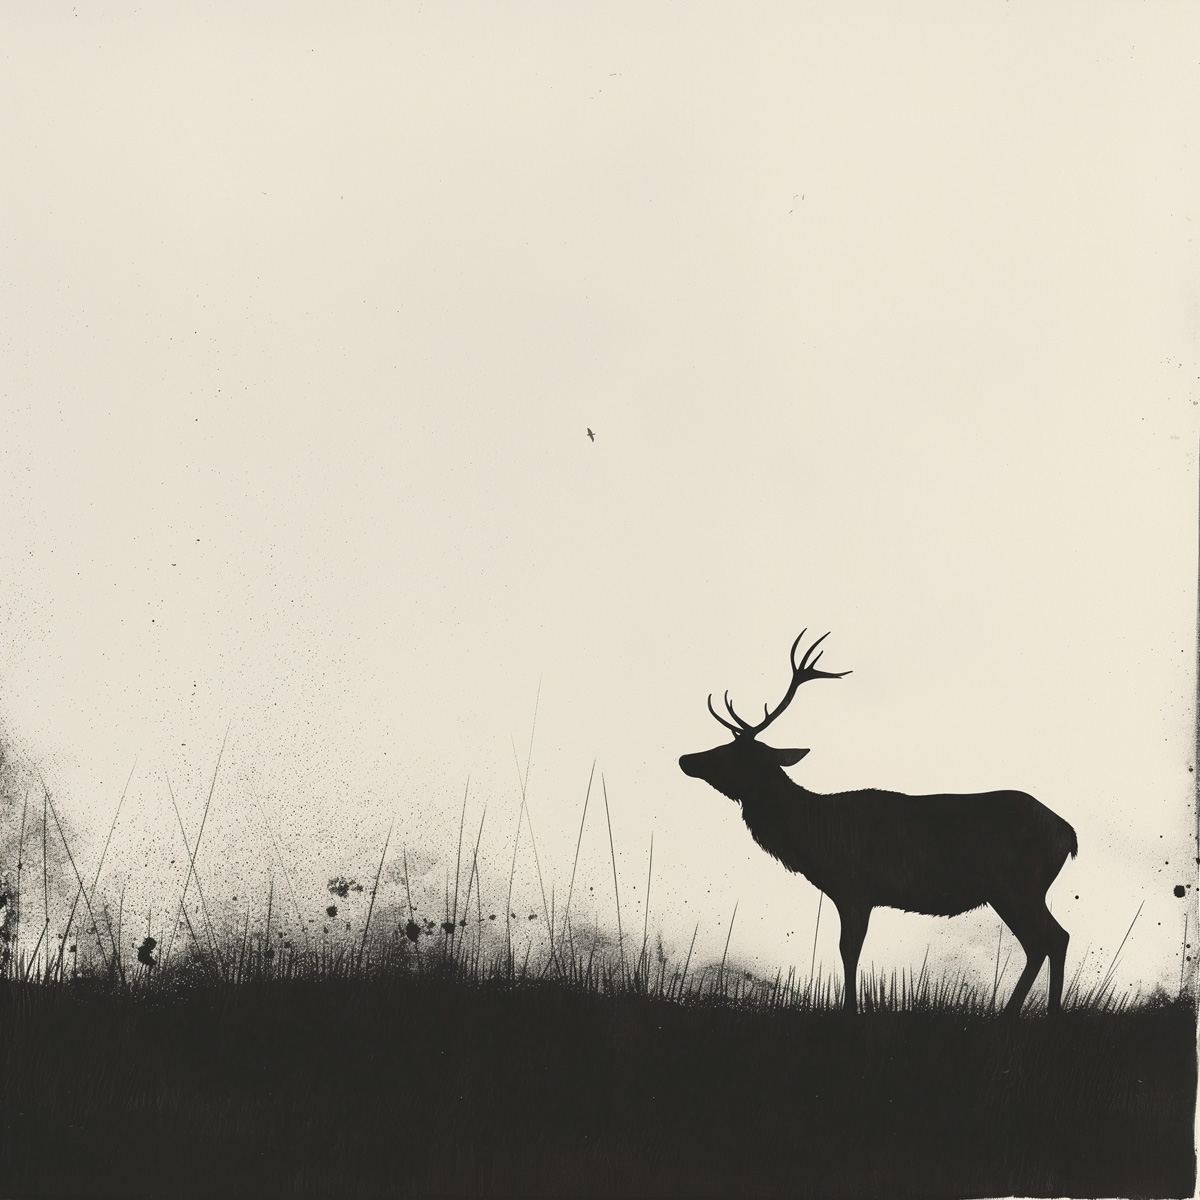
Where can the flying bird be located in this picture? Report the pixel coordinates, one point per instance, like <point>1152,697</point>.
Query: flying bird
<point>591,435</point>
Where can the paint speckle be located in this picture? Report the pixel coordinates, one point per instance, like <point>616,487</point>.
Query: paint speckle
<point>1180,890</point>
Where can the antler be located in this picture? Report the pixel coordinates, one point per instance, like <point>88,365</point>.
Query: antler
<point>740,727</point>
<point>802,672</point>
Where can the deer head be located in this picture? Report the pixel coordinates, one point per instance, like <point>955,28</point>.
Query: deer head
<point>737,766</point>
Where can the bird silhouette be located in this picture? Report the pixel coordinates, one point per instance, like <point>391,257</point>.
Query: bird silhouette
<point>591,435</point>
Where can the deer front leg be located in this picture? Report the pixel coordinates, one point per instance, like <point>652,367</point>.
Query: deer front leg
<point>854,919</point>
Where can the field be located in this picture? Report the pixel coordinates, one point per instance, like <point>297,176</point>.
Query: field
<point>415,1072</point>
<point>421,1057</point>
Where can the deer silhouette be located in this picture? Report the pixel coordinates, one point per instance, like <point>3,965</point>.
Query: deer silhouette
<point>942,854</point>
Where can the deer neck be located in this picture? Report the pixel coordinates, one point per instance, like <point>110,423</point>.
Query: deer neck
<point>783,818</point>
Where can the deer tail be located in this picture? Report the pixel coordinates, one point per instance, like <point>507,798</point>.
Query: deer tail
<point>1070,840</point>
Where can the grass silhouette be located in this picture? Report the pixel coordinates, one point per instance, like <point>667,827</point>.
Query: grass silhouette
<point>414,1057</point>
<point>420,1072</point>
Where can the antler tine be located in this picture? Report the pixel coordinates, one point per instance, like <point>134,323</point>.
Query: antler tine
<point>804,663</point>
<point>792,652</point>
<point>729,707</point>
<point>731,728</point>
<point>809,668</point>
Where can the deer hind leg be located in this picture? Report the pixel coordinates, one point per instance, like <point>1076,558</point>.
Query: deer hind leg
<point>854,919</point>
<point>1057,937</point>
<point>1027,929</point>
<point>1040,936</point>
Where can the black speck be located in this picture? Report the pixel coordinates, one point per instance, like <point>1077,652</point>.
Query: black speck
<point>331,911</point>
<point>1180,890</point>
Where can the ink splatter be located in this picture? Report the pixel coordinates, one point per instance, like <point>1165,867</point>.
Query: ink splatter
<point>331,911</point>
<point>1180,890</point>
<point>412,931</point>
<point>145,952</point>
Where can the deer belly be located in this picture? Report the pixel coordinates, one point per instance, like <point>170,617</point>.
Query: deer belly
<point>935,904</point>
<point>945,893</point>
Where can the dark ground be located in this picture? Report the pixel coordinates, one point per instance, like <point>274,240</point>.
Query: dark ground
<point>418,1087</point>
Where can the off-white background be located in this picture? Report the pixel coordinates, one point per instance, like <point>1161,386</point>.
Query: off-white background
<point>884,318</point>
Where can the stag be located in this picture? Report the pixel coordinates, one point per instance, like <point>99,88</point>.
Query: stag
<point>943,854</point>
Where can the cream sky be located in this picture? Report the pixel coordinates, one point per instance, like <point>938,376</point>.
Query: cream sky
<point>884,318</point>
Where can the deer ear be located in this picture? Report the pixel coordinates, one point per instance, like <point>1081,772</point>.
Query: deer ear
<point>789,758</point>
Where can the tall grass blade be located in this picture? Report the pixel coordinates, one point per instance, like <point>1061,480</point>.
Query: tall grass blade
<point>270,913</point>
<point>33,957</point>
<point>412,913</point>
<point>196,849</point>
<point>262,812</point>
<point>107,840</point>
<point>646,920</point>
<point>996,976</point>
<point>45,870</point>
<point>812,966</point>
<point>374,891</point>
<point>208,926</point>
<point>458,859</point>
<point>1183,953</point>
<point>512,873</point>
<point>20,864</point>
<point>523,780</point>
<point>1113,965</point>
<point>472,878</point>
<point>81,892</point>
<point>687,961</point>
<point>120,920</point>
<point>578,843</point>
<point>616,889</point>
<point>725,952</point>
